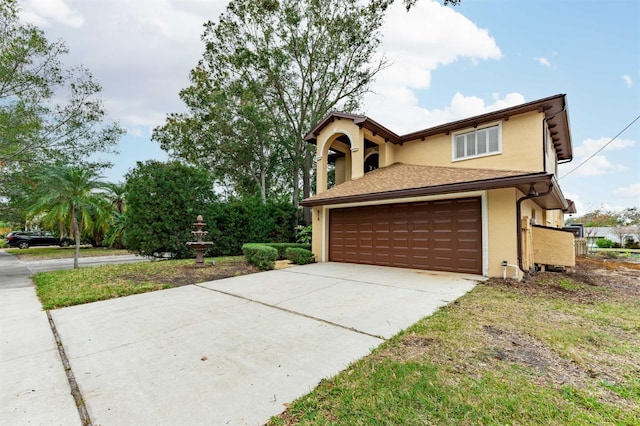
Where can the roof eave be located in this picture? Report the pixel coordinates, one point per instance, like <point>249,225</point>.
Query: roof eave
<point>359,120</point>
<point>495,183</point>
<point>552,103</point>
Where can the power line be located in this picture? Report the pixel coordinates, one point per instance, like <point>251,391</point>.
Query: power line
<point>603,147</point>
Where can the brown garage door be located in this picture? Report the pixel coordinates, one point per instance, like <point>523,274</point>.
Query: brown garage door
<point>441,235</point>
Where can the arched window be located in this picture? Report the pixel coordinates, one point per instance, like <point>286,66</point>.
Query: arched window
<point>371,162</point>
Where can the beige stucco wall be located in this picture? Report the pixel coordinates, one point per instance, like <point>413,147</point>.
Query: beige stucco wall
<point>521,141</point>
<point>553,247</point>
<point>521,148</point>
<point>317,230</point>
<point>355,152</point>
<point>501,230</point>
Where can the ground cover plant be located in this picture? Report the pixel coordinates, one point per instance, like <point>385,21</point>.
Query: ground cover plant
<point>555,349</point>
<point>58,289</point>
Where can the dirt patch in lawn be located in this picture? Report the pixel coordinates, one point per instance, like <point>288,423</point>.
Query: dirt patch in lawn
<point>180,275</point>
<point>577,328</point>
<point>592,280</point>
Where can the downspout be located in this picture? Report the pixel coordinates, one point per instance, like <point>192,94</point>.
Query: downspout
<point>519,222</point>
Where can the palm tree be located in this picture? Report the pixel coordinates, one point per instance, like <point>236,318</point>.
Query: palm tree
<point>67,196</point>
<point>115,194</point>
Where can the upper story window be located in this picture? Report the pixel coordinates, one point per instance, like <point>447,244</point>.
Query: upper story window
<point>477,143</point>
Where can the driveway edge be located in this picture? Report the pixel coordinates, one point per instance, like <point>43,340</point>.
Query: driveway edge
<point>75,389</point>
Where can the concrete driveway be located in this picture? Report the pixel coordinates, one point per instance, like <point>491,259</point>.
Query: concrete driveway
<point>234,351</point>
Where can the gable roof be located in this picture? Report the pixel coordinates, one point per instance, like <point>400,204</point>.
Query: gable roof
<point>553,107</point>
<point>408,180</point>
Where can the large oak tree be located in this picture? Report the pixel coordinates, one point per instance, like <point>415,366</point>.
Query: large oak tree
<point>270,71</point>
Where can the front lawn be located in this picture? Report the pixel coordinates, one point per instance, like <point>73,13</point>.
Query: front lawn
<point>77,286</point>
<point>40,253</point>
<point>559,349</point>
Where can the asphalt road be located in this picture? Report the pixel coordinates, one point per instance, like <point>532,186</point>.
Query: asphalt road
<point>13,274</point>
<point>16,274</point>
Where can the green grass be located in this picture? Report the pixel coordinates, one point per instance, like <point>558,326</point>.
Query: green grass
<point>69,287</point>
<point>558,352</point>
<point>62,252</point>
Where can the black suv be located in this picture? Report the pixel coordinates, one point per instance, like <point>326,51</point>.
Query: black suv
<point>25,240</point>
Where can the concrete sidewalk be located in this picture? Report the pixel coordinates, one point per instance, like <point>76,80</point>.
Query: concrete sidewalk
<point>33,385</point>
<point>234,351</point>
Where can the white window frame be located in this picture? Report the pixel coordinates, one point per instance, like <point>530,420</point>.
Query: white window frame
<point>475,131</point>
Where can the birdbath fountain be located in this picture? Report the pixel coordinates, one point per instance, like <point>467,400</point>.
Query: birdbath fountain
<point>199,246</point>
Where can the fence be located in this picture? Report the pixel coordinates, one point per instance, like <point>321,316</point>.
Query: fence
<point>581,247</point>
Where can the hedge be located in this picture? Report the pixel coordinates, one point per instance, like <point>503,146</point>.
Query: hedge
<point>261,256</point>
<point>300,256</point>
<point>282,248</point>
<point>236,222</point>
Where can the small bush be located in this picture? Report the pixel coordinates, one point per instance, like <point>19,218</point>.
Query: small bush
<point>261,256</point>
<point>300,256</point>
<point>303,234</point>
<point>604,243</point>
<point>282,248</point>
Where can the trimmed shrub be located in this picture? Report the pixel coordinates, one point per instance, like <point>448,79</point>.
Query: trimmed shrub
<point>300,256</point>
<point>282,248</point>
<point>261,256</point>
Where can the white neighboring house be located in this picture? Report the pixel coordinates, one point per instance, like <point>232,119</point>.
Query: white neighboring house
<point>615,234</point>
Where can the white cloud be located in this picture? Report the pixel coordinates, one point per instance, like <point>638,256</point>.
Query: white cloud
<point>589,146</point>
<point>544,61</point>
<point>42,12</point>
<point>404,118</point>
<point>140,51</point>
<point>629,191</point>
<point>599,164</point>
<point>421,40</point>
<point>627,80</point>
<point>417,43</point>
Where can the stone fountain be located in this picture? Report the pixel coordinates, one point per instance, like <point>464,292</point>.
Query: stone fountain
<point>199,246</point>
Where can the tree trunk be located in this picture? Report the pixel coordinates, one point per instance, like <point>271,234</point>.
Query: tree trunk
<point>76,233</point>
<point>306,183</point>
<point>263,188</point>
<point>296,190</point>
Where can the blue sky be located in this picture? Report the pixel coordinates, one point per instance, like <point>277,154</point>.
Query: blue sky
<point>447,63</point>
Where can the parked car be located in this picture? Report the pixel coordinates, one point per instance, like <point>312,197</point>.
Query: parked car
<point>25,239</point>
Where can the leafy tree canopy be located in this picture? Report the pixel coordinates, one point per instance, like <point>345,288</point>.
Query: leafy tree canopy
<point>33,126</point>
<point>604,217</point>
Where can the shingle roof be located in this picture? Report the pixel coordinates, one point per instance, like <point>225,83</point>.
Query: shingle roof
<point>406,180</point>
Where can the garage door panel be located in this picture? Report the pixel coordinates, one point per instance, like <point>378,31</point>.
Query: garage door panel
<point>440,235</point>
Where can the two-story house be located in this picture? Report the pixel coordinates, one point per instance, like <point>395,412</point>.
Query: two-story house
<point>469,196</point>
